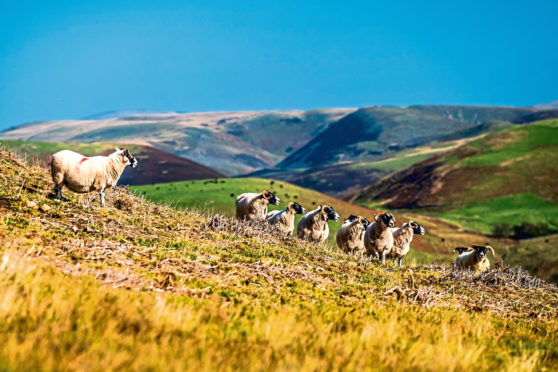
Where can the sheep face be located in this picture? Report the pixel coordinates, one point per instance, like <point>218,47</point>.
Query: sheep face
<point>385,218</point>
<point>297,208</point>
<point>330,213</point>
<point>361,220</point>
<point>132,161</point>
<point>270,197</point>
<point>480,251</point>
<point>417,229</point>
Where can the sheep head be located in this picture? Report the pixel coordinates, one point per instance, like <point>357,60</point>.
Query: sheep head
<point>385,218</point>
<point>127,156</point>
<point>358,219</point>
<point>296,208</point>
<point>270,197</point>
<point>480,251</point>
<point>329,212</point>
<point>417,229</point>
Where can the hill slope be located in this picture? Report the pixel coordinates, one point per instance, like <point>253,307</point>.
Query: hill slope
<point>229,142</point>
<point>344,179</point>
<point>509,176</point>
<point>139,286</point>
<point>373,133</point>
<point>155,166</point>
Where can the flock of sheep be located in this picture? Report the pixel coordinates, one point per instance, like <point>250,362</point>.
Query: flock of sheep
<point>357,236</point>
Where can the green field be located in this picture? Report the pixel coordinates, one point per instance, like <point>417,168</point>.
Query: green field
<point>512,209</point>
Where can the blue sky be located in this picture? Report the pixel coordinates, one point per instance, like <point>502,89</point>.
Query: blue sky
<point>70,59</point>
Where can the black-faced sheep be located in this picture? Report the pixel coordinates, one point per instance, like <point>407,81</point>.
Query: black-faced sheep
<point>82,174</point>
<point>378,239</point>
<point>252,206</point>
<point>402,238</point>
<point>313,226</point>
<point>474,258</point>
<point>284,219</point>
<point>460,250</point>
<point>350,235</point>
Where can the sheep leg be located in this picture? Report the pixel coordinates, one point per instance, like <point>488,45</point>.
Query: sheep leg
<point>400,261</point>
<point>384,258</point>
<point>102,195</point>
<point>377,254</point>
<point>58,193</point>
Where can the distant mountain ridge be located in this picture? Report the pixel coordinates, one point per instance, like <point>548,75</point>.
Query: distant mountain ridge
<point>229,142</point>
<point>242,142</point>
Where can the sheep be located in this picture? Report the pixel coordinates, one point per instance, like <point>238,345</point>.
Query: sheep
<point>402,238</point>
<point>461,250</point>
<point>284,220</point>
<point>83,174</point>
<point>378,238</point>
<point>252,206</point>
<point>474,258</point>
<point>313,226</point>
<point>350,235</point>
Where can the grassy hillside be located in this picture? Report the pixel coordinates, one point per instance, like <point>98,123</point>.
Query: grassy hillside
<point>229,142</point>
<point>154,165</point>
<point>139,286</point>
<point>505,177</point>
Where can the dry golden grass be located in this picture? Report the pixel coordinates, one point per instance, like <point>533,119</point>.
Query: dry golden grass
<point>138,286</point>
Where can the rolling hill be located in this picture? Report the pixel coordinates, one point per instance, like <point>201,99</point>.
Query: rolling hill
<point>139,286</point>
<point>229,142</point>
<point>374,133</point>
<point>504,177</point>
<point>344,179</point>
<point>154,165</point>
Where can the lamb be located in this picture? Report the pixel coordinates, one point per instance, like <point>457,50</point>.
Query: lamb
<point>284,220</point>
<point>82,174</point>
<point>402,238</point>
<point>378,238</point>
<point>252,206</point>
<point>313,226</point>
<point>474,258</point>
<point>350,235</point>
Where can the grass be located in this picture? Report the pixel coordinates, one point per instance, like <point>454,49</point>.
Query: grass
<point>515,143</point>
<point>512,209</point>
<point>140,286</point>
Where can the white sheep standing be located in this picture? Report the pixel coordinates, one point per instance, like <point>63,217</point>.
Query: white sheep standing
<point>83,174</point>
<point>284,220</point>
<point>350,237</point>
<point>252,206</point>
<point>378,239</point>
<point>402,238</point>
<point>313,225</point>
<point>474,258</point>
